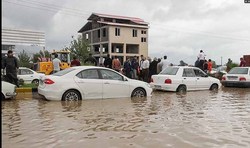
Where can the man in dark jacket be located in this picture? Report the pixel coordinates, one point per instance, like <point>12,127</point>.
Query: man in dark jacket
<point>108,62</point>
<point>91,60</point>
<point>11,65</point>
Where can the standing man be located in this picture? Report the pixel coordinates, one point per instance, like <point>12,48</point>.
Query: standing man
<point>140,66</point>
<point>11,65</point>
<point>116,64</point>
<point>153,68</point>
<point>135,67</point>
<point>108,62</point>
<point>164,63</point>
<point>145,69</point>
<point>56,64</point>
<point>242,62</point>
<point>91,60</point>
<point>75,62</point>
<point>209,65</point>
<point>201,57</point>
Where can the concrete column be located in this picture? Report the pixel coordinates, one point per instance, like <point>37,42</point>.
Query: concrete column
<point>101,53</point>
<point>124,52</point>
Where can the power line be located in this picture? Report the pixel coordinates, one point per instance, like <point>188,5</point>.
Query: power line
<point>72,10</point>
<point>203,33</point>
<point>78,13</point>
<point>44,8</point>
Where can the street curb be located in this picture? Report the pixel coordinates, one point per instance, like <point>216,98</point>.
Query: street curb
<point>25,89</point>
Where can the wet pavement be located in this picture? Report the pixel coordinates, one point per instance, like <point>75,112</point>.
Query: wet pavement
<point>195,119</point>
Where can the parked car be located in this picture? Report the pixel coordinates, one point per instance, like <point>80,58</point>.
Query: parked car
<point>237,77</point>
<point>8,90</point>
<point>90,82</point>
<point>28,75</point>
<point>182,79</point>
<point>220,69</point>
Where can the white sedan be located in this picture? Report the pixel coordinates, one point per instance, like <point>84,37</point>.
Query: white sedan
<point>183,78</point>
<point>29,75</point>
<point>237,77</point>
<point>8,90</point>
<point>90,82</point>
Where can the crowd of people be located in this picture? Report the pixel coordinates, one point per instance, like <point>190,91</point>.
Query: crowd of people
<point>133,68</point>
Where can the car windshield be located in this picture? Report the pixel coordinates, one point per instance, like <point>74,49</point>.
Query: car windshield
<point>63,72</point>
<point>238,71</point>
<point>221,68</point>
<point>169,71</point>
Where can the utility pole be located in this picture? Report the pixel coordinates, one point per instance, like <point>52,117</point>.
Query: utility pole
<point>221,61</point>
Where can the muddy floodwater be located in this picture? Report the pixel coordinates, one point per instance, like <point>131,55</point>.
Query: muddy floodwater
<point>201,119</point>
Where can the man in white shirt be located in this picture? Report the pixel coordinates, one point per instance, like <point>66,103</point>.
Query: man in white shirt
<point>56,64</point>
<point>145,69</point>
<point>164,63</point>
<point>201,57</point>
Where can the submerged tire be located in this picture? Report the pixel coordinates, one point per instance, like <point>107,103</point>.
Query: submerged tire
<point>2,96</point>
<point>71,95</point>
<point>139,92</point>
<point>214,87</point>
<point>36,82</point>
<point>182,89</point>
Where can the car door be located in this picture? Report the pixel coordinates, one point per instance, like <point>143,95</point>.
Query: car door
<point>189,78</point>
<point>90,84</point>
<point>26,74</point>
<point>203,81</point>
<point>114,85</point>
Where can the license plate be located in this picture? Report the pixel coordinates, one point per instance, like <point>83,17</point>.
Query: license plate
<point>157,86</point>
<point>232,77</point>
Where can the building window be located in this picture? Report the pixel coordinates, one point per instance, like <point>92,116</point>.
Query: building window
<point>143,40</point>
<point>104,32</point>
<point>87,36</point>
<point>134,33</point>
<point>143,32</point>
<point>99,33</point>
<point>117,31</point>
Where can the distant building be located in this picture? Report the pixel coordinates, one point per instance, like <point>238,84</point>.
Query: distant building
<point>116,35</point>
<point>20,39</point>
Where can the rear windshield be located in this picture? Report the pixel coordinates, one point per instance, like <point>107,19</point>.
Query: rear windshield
<point>169,71</point>
<point>238,71</point>
<point>63,72</point>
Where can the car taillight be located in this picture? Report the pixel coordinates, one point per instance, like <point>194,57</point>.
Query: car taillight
<point>168,81</point>
<point>223,78</point>
<point>48,81</point>
<point>242,79</point>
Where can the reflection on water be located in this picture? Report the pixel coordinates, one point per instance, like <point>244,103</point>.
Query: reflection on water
<point>195,119</point>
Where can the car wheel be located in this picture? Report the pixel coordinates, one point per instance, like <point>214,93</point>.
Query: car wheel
<point>71,95</point>
<point>3,97</point>
<point>36,82</point>
<point>214,87</point>
<point>139,92</point>
<point>182,89</point>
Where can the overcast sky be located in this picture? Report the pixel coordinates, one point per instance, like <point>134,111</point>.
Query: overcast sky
<point>178,28</point>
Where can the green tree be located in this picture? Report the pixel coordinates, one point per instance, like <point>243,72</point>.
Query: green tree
<point>40,54</point>
<point>79,48</point>
<point>24,59</point>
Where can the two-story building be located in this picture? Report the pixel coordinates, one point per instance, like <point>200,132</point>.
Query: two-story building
<point>119,36</point>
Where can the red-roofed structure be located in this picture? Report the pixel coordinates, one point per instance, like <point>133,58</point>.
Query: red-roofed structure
<point>120,36</point>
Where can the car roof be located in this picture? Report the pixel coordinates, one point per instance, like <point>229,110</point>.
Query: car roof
<point>24,68</point>
<point>184,66</point>
<point>88,67</point>
<point>241,67</point>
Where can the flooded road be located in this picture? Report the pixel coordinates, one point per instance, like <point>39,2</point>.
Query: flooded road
<point>197,119</point>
